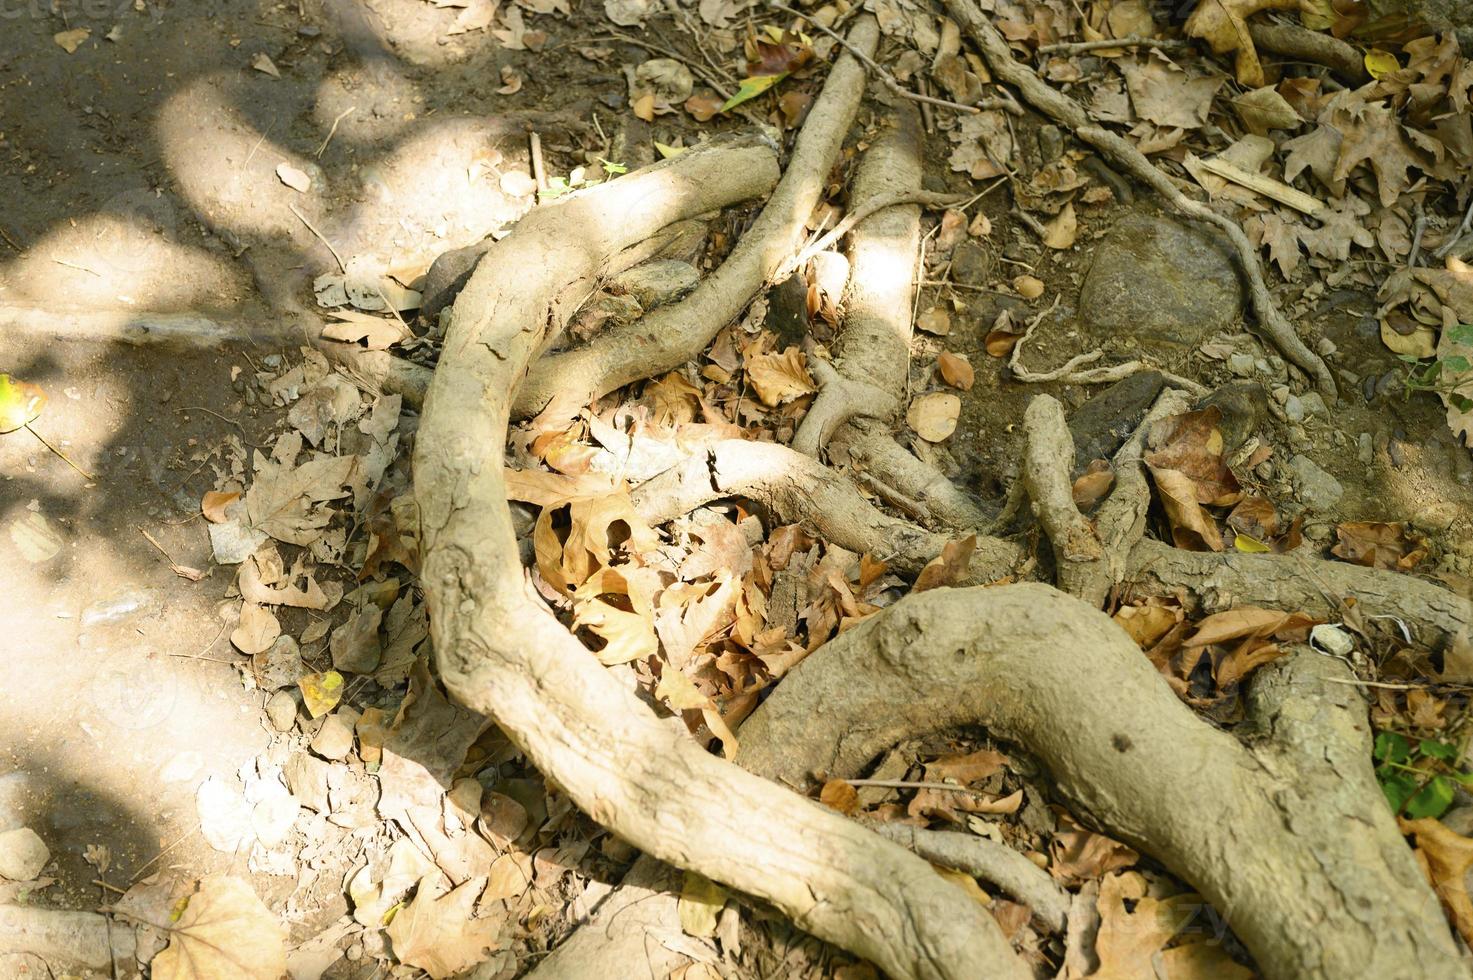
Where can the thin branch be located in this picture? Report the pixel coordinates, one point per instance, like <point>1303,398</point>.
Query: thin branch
<point>1133,41</point>
<point>321,237</point>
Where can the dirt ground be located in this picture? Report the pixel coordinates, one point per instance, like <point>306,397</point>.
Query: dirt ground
<point>139,193</point>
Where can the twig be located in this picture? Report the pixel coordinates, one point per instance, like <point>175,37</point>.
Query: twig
<point>321,237</point>
<point>889,80</point>
<point>1419,228</point>
<point>705,76</point>
<point>539,169</point>
<point>1034,225</point>
<point>333,129</point>
<point>177,841</point>
<point>251,155</point>
<point>914,784</point>
<point>1455,237</point>
<point>926,199</point>
<point>927,119</point>
<point>79,268</point>
<point>1133,41</point>
<point>63,456</point>
<point>183,571</point>
<point>1069,372</point>
<point>8,240</point>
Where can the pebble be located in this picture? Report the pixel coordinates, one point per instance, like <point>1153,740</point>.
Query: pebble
<point>1265,470</point>
<point>281,711</point>
<point>1314,403</point>
<point>273,361</point>
<point>1262,366</point>
<point>1281,393</point>
<point>334,740</point>
<point>1240,364</point>
<point>23,854</point>
<point>1365,449</point>
<point>1294,408</point>
<point>1325,347</point>
<point>1317,488</point>
<point>971,264</point>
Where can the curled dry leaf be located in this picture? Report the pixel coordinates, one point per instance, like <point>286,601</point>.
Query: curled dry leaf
<point>511,81</point>
<point>223,931</point>
<point>1093,484</point>
<point>703,105</point>
<point>257,630</point>
<point>1192,527</point>
<point>213,505</point>
<point>933,416</point>
<point>1446,857</point>
<point>956,370</point>
<point>947,568</point>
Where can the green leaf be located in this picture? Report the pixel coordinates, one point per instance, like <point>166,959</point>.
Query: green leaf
<point>1432,800</point>
<point>1461,402</point>
<point>20,403</point>
<point>611,168</point>
<point>1398,788</point>
<point>1433,749</point>
<point>1456,363</point>
<point>1461,333</point>
<point>1391,747</point>
<point>752,87</point>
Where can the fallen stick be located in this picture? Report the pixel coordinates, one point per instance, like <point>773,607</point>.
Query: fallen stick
<point>502,652</point>
<point>1303,44</point>
<point>1122,153</point>
<point>671,335</point>
<point>1288,835</point>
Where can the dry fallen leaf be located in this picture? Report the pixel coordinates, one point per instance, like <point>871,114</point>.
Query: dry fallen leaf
<point>224,932</point>
<point>257,630</point>
<point>701,901</point>
<point>1028,287</point>
<point>1377,545</point>
<point>1061,232</point>
<point>947,568</point>
<point>1078,855</point>
<point>1223,24</point>
<point>780,378</point>
<point>935,321</point>
<point>293,177</point>
<point>321,692</point>
<point>1092,485</point>
<point>213,505</point>
<point>1129,940</point>
<point>933,416</point>
<point>263,63</point>
<point>71,40</point>
<point>839,795</point>
<point>1447,858</point>
<point>956,370</point>
<point>438,933</point>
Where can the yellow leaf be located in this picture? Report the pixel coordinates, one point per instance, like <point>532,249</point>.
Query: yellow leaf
<point>439,933</point>
<point>701,900</point>
<point>223,931</point>
<point>1252,546</point>
<point>780,378</point>
<point>20,403</point>
<point>679,691</point>
<point>321,692</point>
<point>1379,62</point>
<point>752,87</point>
<point>71,40</point>
<point>666,151</point>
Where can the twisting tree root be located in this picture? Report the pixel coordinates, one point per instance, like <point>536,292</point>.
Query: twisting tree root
<point>1123,154</point>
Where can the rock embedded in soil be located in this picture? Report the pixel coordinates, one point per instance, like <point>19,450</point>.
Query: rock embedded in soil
<point>1161,281</point>
<point>1317,489</point>
<point>334,740</point>
<point>23,854</point>
<point>1243,405</point>
<point>1102,424</point>
<point>281,711</point>
<point>448,275</point>
<point>971,264</point>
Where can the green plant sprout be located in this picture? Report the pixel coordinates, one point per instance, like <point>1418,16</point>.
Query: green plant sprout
<point>1419,778</point>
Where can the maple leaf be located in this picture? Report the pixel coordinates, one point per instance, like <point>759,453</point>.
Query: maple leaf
<point>1223,24</point>
<point>1376,136</point>
<point>281,499</point>
<point>1339,227</point>
<point>1164,94</point>
<point>1280,236</point>
<point>780,378</point>
<point>1319,151</point>
<point>224,931</point>
<point>1130,940</point>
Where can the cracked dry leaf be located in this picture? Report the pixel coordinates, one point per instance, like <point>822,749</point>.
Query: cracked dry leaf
<point>933,416</point>
<point>1129,941</point>
<point>780,378</point>
<point>1223,24</point>
<point>1375,135</point>
<point>1446,857</point>
<point>1192,444</point>
<point>223,933</point>
<point>1164,94</point>
<point>1389,546</point>
<point>1062,230</point>
<point>437,932</point>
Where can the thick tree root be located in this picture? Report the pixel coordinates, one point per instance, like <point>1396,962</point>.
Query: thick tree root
<point>502,652</point>
<point>907,483</point>
<point>1287,836</point>
<point>668,337</point>
<point>1124,155</point>
<point>799,489</point>
<point>1049,452</point>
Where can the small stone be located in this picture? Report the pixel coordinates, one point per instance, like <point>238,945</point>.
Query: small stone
<point>1314,403</point>
<point>1281,393</point>
<point>447,275</point>
<point>1333,640</point>
<point>1365,449</point>
<point>281,711</point>
<point>1243,405</point>
<point>272,818</point>
<point>1325,347</point>
<point>1240,364</point>
<point>1161,281</point>
<point>656,282</point>
<point>1050,143</point>
<point>23,854</point>
<point>1262,366</point>
<point>272,361</point>
<point>1265,470</point>
<point>971,264</point>
<point>1294,409</point>
<point>334,740</point>
<point>1317,489</point>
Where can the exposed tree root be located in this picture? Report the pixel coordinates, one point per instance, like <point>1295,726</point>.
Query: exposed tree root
<point>668,337</point>
<point>1124,155</point>
<point>1048,454</point>
<point>1287,835</point>
<point>61,936</point>
<point>1297,41</point>
<point>799,489</point>
<point>909,484</point>
<point>501,651</point>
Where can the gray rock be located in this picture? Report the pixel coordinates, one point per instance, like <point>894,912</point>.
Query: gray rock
<point>281,711</point>
<point>1243,405</point>
<point>1365,449</point>
<point>448,275</point>
<point>1294,409</point>
<point>1314,403</point>
<point>1102,424</point>
<point>23,854</point>
<point>971,264</point>
<point>1317,489</point>
<point>1159,280</point>
<point>656,282</point>
<point>1240,364</point>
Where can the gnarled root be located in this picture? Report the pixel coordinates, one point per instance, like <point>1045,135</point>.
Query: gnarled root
<point>1286,835</point>
<point>502,652</point>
